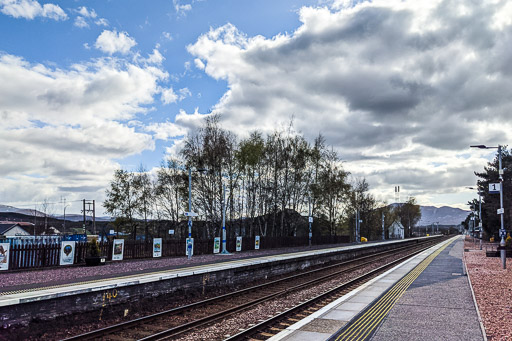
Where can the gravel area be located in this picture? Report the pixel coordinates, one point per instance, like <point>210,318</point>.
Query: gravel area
<point>493,290</point>
<point>70,274</point>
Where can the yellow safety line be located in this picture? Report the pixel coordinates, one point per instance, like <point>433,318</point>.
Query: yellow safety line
<point>365,324</point>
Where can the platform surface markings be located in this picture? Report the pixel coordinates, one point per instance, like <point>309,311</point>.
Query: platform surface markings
<point>368,320</point>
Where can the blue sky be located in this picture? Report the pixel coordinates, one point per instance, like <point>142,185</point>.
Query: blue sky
<point>399,88</point>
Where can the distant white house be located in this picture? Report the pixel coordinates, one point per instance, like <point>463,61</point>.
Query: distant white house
<point>396,230</point>
<point>13,229</point>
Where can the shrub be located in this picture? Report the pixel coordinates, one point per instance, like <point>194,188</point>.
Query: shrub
<point>508,241</point>
<point>93,249</point>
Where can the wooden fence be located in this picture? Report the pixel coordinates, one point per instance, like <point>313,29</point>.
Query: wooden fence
<point>27,255</point>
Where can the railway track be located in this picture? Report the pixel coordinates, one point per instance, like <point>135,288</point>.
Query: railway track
<point>176,322</point>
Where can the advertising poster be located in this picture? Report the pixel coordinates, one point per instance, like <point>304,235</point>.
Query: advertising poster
<point>257,243</point>
<point>117,253</point>
<point>4,256</point>
<point>157,247</point>
<point>238,243</point>
<point>216,245</point>
<point>67,253</point>
<point>191,246</point>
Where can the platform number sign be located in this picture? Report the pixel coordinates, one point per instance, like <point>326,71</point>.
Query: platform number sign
<point>494,188</point>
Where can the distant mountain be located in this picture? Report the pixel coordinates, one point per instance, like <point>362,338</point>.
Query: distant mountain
<point>79,217</point>
<point>28,212</point>
<point>445,215</point>
<point>25,211</point>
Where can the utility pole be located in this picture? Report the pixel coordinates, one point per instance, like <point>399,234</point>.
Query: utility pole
<point>91,208</point>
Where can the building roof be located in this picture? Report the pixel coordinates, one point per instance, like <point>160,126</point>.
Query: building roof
<point>5,226</point>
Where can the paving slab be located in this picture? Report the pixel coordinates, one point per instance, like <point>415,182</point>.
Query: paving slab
<point>437,306</point>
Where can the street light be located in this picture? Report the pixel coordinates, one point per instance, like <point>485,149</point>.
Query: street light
<point>65,216</point>
<point>479,214</point>
<point>502,231</point>
<point>224,249</point>
<point>190,213</point>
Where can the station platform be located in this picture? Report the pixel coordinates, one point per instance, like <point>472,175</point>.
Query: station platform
<point>43,290</point>
<point>427,297</point>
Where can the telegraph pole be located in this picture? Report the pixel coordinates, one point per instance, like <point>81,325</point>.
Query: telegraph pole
<point>89,206</point>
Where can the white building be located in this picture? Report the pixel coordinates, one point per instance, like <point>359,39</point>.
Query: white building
<point>396,230</point>
<point>13,229</point>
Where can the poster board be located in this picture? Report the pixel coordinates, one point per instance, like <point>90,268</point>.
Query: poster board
<point>67,253</point>
<point>257,243</point>
<point>238,244</point>
<point>216,245</point>
<point>157,247</point>
<point>117,252</point>
<point>191,246</point>
<point>4,256</point>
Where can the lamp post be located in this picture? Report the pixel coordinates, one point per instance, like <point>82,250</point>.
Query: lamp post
<point>190,213</point>
<point>502,213</point>
<point>65,216</point>
<point>224,250</point>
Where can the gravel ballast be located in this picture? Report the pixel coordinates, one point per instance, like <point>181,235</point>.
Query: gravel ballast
<point>492,286</point>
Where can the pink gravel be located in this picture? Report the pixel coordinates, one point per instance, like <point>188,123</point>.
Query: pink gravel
<point>74,273</point>
<point>493,290</point>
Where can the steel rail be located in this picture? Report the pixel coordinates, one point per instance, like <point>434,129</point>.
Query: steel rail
<point>222,314</point>
<point>265,325</point>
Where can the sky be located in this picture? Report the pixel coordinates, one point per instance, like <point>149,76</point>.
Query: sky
<point>399,88</point>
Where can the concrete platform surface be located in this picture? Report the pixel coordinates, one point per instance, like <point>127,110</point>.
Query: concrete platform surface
<point>438,305</point>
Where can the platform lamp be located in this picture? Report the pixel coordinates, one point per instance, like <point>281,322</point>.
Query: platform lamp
<point>479,214</point>
<point>502,212</point>
<point>190,214</point>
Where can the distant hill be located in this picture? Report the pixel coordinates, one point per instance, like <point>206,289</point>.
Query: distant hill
<point>79,217</point>
<point>25,211</point>
<point>445,215</point>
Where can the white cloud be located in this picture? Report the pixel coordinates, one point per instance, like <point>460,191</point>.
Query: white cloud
<point>101,22</point>
<point>199,64</point>
<point>112,41</point>
<point>83,11</point>
<point>168,96</point>
<point>181,9</point>
<point>88,15</point>
<point>30,9</point>
<point>166,130</point>
<point>68,126</point>
<point>393,85</point>
<point>80,22</point>
<point>155,58</point>
<point>167,35</point>
<point>184,93</point>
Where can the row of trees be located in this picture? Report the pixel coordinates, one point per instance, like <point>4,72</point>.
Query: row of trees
<point>491,202</point>
<point>267,179</point>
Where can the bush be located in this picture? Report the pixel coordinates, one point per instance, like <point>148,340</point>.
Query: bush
<point>508,241</point>
<point>93,249</point>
